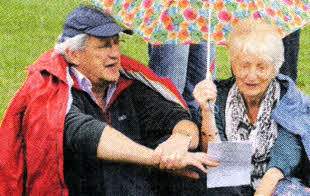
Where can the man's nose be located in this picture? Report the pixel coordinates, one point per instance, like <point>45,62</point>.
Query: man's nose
<point>115,51</point>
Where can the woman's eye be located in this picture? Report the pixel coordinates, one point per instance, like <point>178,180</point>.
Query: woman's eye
<point>244,66</point>
<point>261,67</point>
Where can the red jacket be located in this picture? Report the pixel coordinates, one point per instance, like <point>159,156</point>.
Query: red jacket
<point>31,133</point>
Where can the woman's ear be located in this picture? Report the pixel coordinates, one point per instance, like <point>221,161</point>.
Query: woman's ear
<point>232,69</point>
<point>72,57</point>
<point>274,72</point>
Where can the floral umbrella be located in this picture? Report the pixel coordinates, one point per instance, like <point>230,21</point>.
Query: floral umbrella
<point>286,15</point>
<point>186,21</point>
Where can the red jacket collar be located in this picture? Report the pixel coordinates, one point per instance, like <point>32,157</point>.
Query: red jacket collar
<point>53,63</point>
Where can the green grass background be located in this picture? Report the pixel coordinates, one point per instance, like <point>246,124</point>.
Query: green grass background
<point>31,27</point>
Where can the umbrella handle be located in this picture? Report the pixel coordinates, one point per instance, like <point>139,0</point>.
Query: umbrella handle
<point>213,108</point>
<point>208,74</point>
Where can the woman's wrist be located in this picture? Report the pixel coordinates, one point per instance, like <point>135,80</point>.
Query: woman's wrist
<point>207,112</point>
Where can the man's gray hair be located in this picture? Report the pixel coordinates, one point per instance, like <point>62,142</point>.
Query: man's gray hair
<point>76,43</point>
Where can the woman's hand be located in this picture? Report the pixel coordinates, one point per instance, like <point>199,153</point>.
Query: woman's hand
<point>269,182</point>
<point>204,92</point>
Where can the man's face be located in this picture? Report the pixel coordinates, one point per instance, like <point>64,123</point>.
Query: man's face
<point>100,60</point>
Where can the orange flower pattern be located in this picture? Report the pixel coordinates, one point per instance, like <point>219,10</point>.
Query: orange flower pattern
<point>186,21</point>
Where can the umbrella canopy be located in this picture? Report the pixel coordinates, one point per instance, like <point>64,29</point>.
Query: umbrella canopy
<point>186,21</point>
<point>286,15</point>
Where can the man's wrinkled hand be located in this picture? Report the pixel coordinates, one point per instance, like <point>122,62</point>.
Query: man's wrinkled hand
<point>198,160</point>
<point>172,151</point>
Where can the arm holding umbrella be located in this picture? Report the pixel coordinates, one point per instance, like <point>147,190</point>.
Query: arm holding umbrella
<point>205,93</point>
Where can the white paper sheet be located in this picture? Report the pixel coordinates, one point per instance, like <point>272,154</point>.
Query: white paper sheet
<point>235,164</point>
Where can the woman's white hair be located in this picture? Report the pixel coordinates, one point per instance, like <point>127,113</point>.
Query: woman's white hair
<point>257,38</point>
<point>76,43</point>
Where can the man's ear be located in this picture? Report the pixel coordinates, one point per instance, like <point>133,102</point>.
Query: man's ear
<point>72,56</point>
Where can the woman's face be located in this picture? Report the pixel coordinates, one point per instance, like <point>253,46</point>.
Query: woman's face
<point>253,74</point>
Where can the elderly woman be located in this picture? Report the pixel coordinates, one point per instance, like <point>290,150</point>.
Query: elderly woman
<point>253,105</point>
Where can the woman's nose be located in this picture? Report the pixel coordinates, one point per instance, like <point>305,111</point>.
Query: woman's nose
<point>252,75</point>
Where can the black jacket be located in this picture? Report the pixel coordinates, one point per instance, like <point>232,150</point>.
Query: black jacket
<point>137,111</point>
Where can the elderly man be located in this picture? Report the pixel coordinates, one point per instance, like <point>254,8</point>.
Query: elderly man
<point>87,120</point>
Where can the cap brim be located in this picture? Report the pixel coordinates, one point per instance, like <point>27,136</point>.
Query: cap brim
<point>107,30</point>
<point>128,31</point>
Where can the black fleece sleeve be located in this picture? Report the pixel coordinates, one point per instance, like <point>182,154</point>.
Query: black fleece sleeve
<point>157,115</point>
<point>82,132</point>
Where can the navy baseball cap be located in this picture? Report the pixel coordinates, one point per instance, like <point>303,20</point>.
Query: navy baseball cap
<point>91,21</point>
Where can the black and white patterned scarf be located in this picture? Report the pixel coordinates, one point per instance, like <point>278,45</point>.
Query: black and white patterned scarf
<point>262,135</point>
